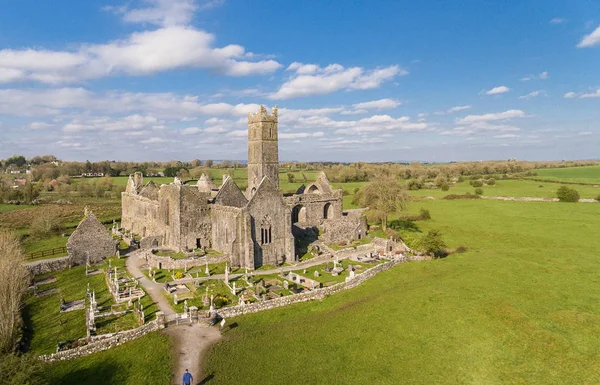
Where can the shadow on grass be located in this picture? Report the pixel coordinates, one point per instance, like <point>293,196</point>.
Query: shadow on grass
<point>99,373</point>
<point>404,225</point>
<point>207,379</point>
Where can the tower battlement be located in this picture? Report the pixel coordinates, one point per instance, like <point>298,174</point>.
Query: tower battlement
<point>263,116</point>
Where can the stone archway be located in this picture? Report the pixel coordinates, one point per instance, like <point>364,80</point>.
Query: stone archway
<point>313,189</point>
<point>328,211</point>
<point>298,214</point>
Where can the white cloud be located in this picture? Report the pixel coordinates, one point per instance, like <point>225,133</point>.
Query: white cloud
<point>333,78</point>
<point>506,136</point>
<point>591,95</point>
<point>557,20</point>
<point>531,95</point>
<point>590,40</point>
<point>570,95</point>
<point>381,104</point>
<point>159,12</point>
<point>141,53</point>
<point>448,111</point>
<point>585,133</point>
<point>543,76</point>
<point>191,131</point>
<point>154,139</point>
<point>127,123</point>
<point>510,114</point>
<point>300,135</point>
<point>497,90</point>
<point>238,133</point>
<point>39,125</point>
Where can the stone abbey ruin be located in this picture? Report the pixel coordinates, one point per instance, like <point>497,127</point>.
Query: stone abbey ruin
<point>261,226</point>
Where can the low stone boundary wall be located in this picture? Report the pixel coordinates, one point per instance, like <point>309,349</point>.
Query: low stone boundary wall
<point>316,294</point>
<point>105,342</point>
<point>48,266</point>
<point>172,263</point>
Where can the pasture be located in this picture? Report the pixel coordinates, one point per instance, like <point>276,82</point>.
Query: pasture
<point>521,306</point>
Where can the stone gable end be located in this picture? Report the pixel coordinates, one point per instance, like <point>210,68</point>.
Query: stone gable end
<point>90,239</point>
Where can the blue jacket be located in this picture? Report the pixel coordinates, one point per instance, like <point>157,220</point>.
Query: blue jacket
<point>187,379</point>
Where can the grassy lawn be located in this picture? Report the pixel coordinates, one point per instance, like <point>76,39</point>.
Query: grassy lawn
<point>146,360</point>
<point>521,306</point>
<point>45,325</point>
<point>511,188</point>
<point>588,174</point>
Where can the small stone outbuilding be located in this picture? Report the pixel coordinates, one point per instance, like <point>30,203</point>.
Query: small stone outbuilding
<point>90,242</point>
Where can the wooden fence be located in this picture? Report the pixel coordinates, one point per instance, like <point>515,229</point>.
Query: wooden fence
<point>47,253</point>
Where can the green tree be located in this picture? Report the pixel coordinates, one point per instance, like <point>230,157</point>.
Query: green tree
<point>385,197</point>
<point>566,194</point>
<point>209,163</point>
<point>433,243</point>
<point>17,160</point>
<point>291,177</point>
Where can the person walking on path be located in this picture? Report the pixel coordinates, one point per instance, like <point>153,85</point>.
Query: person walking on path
<point>187,378</point>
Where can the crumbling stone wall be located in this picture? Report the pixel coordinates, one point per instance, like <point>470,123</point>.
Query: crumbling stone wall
<point>317,294</point>
<point>90,242</point>
<point>48,266</point>
<point>104,342</point>
<point>352,225</point>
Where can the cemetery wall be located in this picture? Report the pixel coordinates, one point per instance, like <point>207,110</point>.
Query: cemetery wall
<point>104,342</point>
<point>316,294</point>
<point>172,263</point>
<point>43,267</point>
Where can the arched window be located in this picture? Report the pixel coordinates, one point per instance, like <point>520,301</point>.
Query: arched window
<point>327,211</point>
<point>266,236</point>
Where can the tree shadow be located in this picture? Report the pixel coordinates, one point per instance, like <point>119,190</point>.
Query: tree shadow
<point>98,373</point>
<point>404,225</point>
<point>207,379</point>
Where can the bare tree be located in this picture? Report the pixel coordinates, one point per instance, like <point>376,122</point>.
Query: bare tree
<point>13,283</point>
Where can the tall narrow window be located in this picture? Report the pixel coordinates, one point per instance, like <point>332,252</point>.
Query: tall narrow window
<point>265,231</point>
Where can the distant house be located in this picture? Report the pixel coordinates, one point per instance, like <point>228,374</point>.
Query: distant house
<point>92,174</point>
<point>20,181</point>
<point>155,174</point>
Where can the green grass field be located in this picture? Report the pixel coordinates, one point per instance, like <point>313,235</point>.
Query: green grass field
<point>589,174</point>
<point>511,188</point>
<point>146,360</point>
<point>521,306</point>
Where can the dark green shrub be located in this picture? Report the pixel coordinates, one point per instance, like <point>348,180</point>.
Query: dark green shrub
<point>491,182</point>
<point>460,179</point>
<point>478,191</point>
<point>445,187</point>
<point>566,194</point>
<point>434,244</point>
<point>424,214</point>
<point>598,198</point>
<point>461,249</point>
<point>476,183</point>
<point>452,197</point>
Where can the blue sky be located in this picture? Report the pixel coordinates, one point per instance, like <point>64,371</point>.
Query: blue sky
<point>354,80</point>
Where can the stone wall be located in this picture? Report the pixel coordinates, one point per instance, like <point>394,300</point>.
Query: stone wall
<point>172,263</point>
<point>316,294</point>
<point>90,242</point>
<point>352,225</point>
<point>104,342</point>
<point>48,266</point>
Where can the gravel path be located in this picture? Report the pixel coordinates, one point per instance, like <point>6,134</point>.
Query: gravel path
<point>189,341</point>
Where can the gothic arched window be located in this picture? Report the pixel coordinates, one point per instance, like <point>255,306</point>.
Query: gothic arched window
<point>266,236</point>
